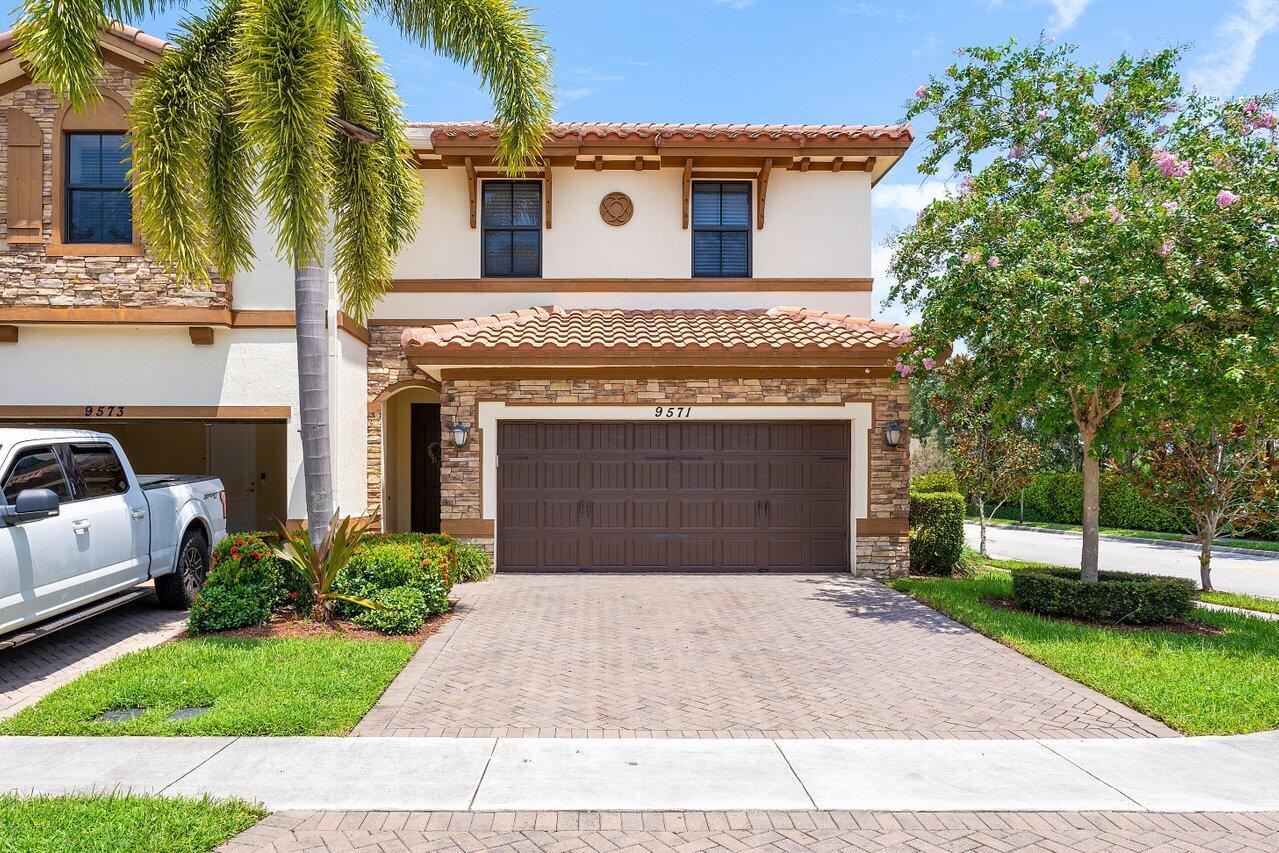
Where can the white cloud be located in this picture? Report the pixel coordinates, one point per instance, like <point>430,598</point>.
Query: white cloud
<point>1234,46</point>
<point>880,258</point>
<point>578,93</point>
<point>907,198</point>
<point>1065,13</point>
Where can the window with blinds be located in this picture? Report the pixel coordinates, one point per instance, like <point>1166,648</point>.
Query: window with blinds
<point>722,229</point>
<point>98,206</point>
<point>512,224</point>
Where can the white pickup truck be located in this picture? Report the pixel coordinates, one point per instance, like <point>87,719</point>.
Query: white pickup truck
<point>80,532</point>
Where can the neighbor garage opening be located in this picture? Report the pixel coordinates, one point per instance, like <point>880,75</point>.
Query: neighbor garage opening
<point>700,496</point>
<point>248,456</point>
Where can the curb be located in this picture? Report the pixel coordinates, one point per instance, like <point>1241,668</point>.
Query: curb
<point>1166,543</point>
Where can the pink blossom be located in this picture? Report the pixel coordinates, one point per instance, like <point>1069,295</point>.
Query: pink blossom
<point>1225,198</point>
<point>919,217</point>
<point>1083,279</point>
<point>903,369</point>
<point>1251,107</point>
<point>1161,129</point>
<point>1171,206</point>
<point>929,363</point>
<point>966,184</point>
<point>1116,215</point>
<point>993,262</point>
<point>1165,249</point>
<point>921,92</point>
<point>972,257</point>
<point>1076,216</point>
<point>1266,120</point>
<point>1017,153</point>
<point>903,337</point>
<point>1168,164</point>
<point>1042,113</point>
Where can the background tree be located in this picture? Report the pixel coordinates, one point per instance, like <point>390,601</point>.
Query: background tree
<point>1108,229</point>
<point>990,458</point>
<point>284,105</point>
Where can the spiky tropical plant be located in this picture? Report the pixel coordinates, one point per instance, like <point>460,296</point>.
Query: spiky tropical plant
<point>283,105</point>
<point>319,565</point>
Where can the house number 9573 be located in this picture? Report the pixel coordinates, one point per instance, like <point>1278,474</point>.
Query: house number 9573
<point>673,412</point>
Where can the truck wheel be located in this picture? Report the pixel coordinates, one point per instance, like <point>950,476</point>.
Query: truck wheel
<point>179,588</point>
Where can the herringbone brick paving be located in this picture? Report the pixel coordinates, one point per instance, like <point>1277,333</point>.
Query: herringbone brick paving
<point>32,671</point>
<point>650,832</point>
<point>727,656</point>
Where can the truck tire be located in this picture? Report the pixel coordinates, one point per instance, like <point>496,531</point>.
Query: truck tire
<point>179,588</point>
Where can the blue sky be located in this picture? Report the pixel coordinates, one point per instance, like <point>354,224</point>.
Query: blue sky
<point>821,61</point>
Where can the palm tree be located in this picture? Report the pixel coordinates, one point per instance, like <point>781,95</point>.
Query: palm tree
<point>284,104</point>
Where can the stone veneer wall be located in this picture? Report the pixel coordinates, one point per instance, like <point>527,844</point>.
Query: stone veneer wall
<point>877,556</point>
<point>30,278</point>
<point>387,365</point>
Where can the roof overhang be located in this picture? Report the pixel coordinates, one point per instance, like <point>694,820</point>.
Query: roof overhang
<point>120,45</point>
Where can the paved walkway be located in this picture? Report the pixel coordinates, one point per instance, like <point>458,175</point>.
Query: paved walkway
<point>1255,573</point>
<point>1238,773</point>
<point>727,656</point>
<point>654,832</point>
<point>32,671</point>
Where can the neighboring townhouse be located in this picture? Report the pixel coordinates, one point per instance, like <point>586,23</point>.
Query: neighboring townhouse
<point>652,352</point>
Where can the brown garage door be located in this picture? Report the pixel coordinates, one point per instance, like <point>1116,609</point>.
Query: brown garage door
<point>671,496</point>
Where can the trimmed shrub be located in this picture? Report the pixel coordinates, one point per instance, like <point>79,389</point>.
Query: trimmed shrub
<point>935,481</point>
<point>246,559</point>
<point>439,548</point>
<point>405,613</point>
<point>473,563</point>
<point>387,565</point>
<point>1116,597</point>
<point>222,608</point>
<point>936,532</point>
<point>1058,496</point>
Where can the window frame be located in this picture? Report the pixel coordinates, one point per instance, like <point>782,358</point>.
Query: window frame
<point>748,229</point>
<point>71,467</point>
<point>36,447</point>
<point>68,188</point>
<point>485,229</point>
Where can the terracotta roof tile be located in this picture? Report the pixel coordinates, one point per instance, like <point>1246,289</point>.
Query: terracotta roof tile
<point>794,331</point>
<point>124,31</point>
<point>598,131</point>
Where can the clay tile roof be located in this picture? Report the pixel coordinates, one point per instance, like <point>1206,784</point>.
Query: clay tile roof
<point>124,31</point>
<point>641,132</point>
<point>561,332</point>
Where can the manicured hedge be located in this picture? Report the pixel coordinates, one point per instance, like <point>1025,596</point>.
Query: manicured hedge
<point>1058,496</point>
<point>936,532</point>
<point>935,481</point>
<point>1116,596</point>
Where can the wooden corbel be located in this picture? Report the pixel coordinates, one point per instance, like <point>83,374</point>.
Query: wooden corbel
<point>763,192</point>
<point>8,334</point>
<point>470,186</point>
<point>688,187</point>
<point>837,164</point>
<point>201,336</point>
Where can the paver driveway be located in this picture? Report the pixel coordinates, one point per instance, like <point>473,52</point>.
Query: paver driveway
<point>726,656</point>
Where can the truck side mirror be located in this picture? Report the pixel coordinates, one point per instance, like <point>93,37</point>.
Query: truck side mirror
<point>33,505</point>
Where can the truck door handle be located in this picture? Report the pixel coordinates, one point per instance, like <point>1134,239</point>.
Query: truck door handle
<point>139,514</point>
<point>81,526</point>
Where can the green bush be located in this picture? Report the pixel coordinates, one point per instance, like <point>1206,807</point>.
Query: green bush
<point>1116,597</point>
<point>935,481</point>
<point>1058,496</point>
<point>406,611</point>
<point>246,559</point>
<point>222,608</point>
<point>440,549</point>
<point>473,563</point>
<point>936,532</point>
<point>391,563</point>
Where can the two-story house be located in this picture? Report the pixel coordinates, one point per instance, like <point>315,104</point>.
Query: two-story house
<point>652,352</point>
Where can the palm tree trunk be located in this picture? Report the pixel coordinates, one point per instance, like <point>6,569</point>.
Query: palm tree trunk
<point>311,296</point>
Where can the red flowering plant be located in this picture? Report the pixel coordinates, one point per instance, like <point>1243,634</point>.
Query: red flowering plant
<point>245,559</point>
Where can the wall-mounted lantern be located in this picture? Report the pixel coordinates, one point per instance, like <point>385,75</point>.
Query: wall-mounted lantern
<point>893,432</point>
<point>460,432</point>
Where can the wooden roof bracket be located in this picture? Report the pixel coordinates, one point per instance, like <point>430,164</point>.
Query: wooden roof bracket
<point>470,186</point>
<point>547,180</point>
<point>639,163</point>
<point>868,165</point>
<point>837,164</point>
<point>688,187</point>
<point>763,192</point>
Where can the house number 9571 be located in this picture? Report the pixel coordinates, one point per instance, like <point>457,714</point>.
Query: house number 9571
<point>673,412</point>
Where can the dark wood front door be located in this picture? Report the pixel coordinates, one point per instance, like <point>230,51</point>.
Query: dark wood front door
<point>670,496</point>
<point>424,463</point>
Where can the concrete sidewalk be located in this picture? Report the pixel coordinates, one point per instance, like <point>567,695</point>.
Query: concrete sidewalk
<point>1239,773</point>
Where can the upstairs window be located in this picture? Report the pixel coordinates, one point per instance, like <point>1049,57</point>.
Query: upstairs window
<point>512,219</point>
<point>722,229</point>
<point>98,206</point>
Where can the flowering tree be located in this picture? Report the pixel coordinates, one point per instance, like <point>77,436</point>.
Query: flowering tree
<point>1216,479</point>
<point>990,458</point>
<point>1115,224</point>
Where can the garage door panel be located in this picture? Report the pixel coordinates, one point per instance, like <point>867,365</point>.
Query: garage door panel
<point>671,496</point>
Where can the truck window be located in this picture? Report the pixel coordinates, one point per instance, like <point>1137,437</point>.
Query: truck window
<point>98,472</point>
<point>35,468</point>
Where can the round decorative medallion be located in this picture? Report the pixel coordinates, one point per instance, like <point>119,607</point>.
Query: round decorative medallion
<point>616,209</point>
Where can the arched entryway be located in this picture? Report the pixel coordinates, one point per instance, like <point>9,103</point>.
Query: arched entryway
<point>411,458</point>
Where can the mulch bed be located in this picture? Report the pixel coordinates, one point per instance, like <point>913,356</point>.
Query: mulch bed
<point>1178,626</point>
<point>284,625</point>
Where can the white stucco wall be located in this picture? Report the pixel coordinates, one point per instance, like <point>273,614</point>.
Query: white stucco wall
<point>348,414</point>
<point>817,225</point>
<point>268,284</point>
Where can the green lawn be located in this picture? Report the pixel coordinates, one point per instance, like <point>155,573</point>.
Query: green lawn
<point>1198,684</point>
<point>313,686</point>
<point>107,824</point>
<point>1247,602</point>
<point>1254,544</point>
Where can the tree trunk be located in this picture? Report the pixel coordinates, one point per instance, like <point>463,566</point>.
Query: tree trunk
<point>1092,510</point>
<point>1207,533</point>
<point>981,514</point>
<point>311,296</point>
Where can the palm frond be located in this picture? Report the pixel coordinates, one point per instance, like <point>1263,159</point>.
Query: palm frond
<point>285,79</point>
<point>496,39</point>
